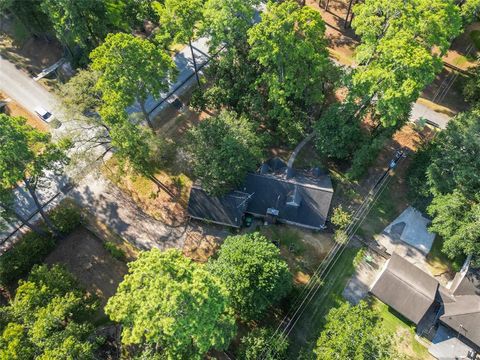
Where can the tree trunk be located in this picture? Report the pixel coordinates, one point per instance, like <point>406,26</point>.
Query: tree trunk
<point>194,61</point>
<point>24,221</point>
<point>39,206</point>
<point>146,115</point>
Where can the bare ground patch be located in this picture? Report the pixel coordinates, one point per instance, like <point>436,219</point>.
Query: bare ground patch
<point>84,255</point>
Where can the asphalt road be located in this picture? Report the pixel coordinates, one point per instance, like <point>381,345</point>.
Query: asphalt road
<point>19,86</point>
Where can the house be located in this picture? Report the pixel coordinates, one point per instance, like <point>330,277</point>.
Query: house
<point>276,193</point>
<point>453,311</point>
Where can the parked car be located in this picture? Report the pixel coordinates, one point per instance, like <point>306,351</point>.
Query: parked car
<point>43,114</point>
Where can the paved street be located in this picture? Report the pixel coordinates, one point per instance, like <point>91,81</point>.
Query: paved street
<point>127,221</point>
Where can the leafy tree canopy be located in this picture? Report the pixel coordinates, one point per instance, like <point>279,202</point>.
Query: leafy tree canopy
<point>400,53</point>
<point>176,306</point>
<point>80,23</point>
<point>288,40</point>
<point>261,343</point>
<point>48,319</point>
<point>354,332</point>
<point>337,132</point>
<point>226,22</point>
<point>130,69</point>
<point>253,272</point>
<point>179,18</point>
<point>223,149</point>
<point>78,93</point>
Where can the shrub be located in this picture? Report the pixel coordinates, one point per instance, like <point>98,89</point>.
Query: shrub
<point>66,218</point>
<point>260,343</point>
<point>18,261</point>
<point>115,251</point>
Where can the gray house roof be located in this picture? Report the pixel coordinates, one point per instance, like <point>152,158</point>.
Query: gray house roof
<point>463,313</point>
<point>463,316</point>
<point>225,210</point>
<point>405,288</point>
<point>300,200</point>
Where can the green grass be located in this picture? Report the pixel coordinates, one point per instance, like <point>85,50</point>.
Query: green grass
<point>396,324</point>
<point>382,213</point>
<point>310,324</point>
<point>288,238</point>
<point>438,262</point>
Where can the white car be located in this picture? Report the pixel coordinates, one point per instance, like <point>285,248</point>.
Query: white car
<point>43,114</point>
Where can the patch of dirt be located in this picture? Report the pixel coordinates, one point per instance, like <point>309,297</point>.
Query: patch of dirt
<point>33,55</point>
<point>202,241</point>
<point>14,109</point>
<point>83,254</point>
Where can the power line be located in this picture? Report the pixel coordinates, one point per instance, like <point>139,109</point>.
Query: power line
<point>324,268</point>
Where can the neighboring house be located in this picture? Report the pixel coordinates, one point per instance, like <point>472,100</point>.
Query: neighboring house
<point>276,193</point>
<point>419,297</point>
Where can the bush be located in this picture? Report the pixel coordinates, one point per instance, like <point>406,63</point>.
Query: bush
<point>260,343</point>
<point>66,218</point>
<point>115,251</point>
<point>18,261</point>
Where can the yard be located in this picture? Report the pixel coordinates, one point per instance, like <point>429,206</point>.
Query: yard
<point>402,332</point>
<point>310,324</point>
<point>87,258</point>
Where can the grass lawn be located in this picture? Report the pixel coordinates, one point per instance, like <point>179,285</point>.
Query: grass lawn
<point>438,262</point>
<point>382,213</point>
<point>310,324</point>
<point>402,331</point>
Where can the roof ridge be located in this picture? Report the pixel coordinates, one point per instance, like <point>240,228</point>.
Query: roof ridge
<point>291,181</point>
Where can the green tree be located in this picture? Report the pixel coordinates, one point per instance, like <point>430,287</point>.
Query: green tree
<point>455,163</point>
<point>223,149</point>
<point>253,272</point>
<point>131,69</point>
<point>78,94</point>
<point>290,46</point>
<point>337,132</point>
<point>398,55</point>
<point>341,218</point>
<point>49,319</point>
<point>81,23</point>
<point>28,156</point>
<point>470,10</point>
<point>454,185</point>
<point>261,343</point>
<point>457,220</point>
<point>173,305</point>
<point>354,332</point>
<point>226,22</point>
<point>31,17</point>
<point>179,19</point>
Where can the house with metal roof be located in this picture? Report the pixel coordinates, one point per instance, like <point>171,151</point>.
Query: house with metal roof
<point>276,193</point>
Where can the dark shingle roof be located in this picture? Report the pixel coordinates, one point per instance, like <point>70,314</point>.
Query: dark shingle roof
<point>226,210</point>
<point>301,200</point>
<point>463,315</point>
<point>406,288</point>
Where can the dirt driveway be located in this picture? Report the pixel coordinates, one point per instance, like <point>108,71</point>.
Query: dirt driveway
<point>83,254</point>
